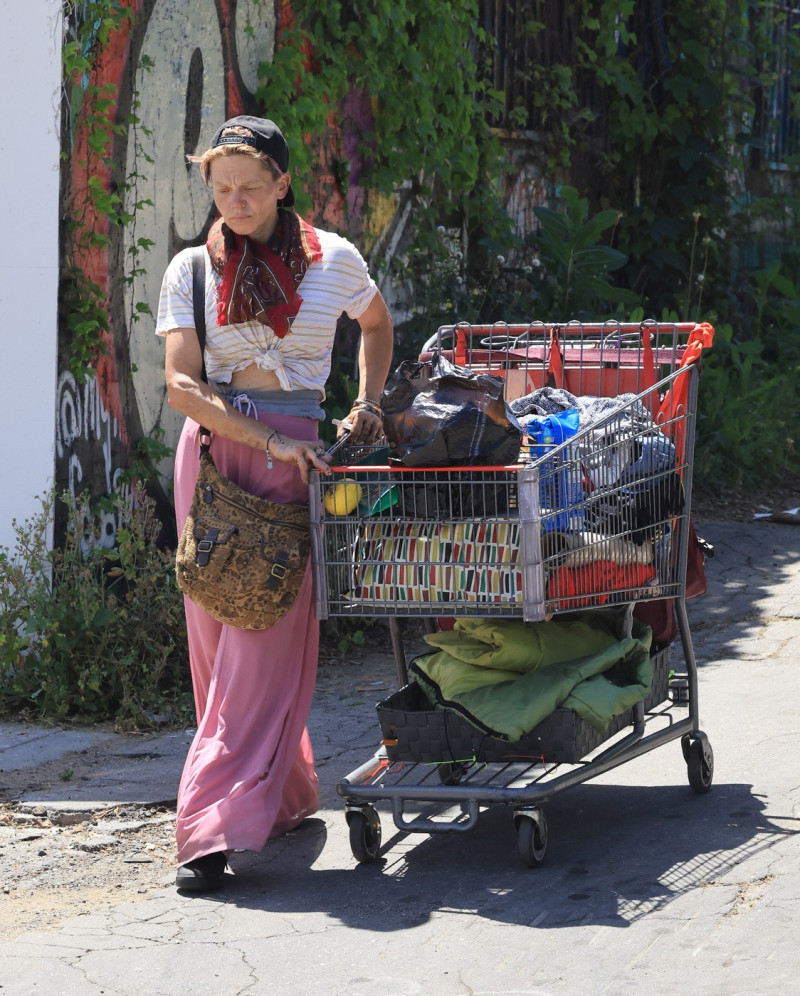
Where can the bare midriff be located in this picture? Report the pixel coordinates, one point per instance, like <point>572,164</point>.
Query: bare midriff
<point>252,377</point>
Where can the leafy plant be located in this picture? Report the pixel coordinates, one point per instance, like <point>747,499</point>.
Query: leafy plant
<point>435,287</point>
<point>88,631</point>
<point>573,279</point>
<point>749,407</point>
<point>144,458</point>
<point>397,91</point>
<point>562,273</point>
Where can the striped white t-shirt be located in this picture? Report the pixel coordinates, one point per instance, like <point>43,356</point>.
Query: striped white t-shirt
<point>339,282</point>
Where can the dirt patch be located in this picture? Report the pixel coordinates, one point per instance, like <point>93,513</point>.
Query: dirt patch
<point>739,506</point>
<point>58,860</point>
<point>51,871</point>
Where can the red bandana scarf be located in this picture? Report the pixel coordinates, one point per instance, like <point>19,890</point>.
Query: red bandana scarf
<point>260,280</point>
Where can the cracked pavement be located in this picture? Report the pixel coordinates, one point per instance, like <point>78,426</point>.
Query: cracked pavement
<point>646,887</point>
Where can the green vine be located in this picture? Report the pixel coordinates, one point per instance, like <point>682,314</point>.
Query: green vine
<point>660,110</point>
<point>412,60</point>
<point>415,65</point>
<point>404,81</point>
<point>96,206</point>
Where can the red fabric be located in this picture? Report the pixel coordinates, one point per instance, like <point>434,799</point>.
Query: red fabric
<point>645,378</point>
<point>260,280</point>
<point>555,365</point>
<point>575,587</point>
<point>659,615</point>
<point>675,400</point>
<point>696,583</point>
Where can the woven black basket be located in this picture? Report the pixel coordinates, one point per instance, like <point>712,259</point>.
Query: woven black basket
<point>413,731</point>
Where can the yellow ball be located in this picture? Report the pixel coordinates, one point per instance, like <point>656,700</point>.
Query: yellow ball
<point>342,498</point>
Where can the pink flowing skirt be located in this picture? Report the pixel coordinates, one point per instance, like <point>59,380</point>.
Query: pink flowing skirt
<point>249,774</point>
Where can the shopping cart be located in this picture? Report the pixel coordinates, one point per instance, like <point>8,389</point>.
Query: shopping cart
<point>596,523</point>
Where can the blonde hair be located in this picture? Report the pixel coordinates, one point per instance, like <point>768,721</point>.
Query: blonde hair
<point>219,151</point>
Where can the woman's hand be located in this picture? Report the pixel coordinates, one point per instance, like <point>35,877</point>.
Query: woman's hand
<point>366,427</point>
<point>304,455</point>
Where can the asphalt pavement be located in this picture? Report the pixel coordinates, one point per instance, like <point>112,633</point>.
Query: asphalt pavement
<point>645,887</point>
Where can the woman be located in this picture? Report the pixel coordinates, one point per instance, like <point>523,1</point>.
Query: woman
<point>275,288</point>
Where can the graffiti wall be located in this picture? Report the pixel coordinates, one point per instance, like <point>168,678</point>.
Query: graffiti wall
<point>178,69</point>
<point>191,64</point>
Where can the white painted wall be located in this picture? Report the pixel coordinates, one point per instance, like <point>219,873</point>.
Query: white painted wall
<point>30,80</point>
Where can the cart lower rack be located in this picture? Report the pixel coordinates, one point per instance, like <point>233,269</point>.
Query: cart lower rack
<point>522,783</point>
<point>590,528</point>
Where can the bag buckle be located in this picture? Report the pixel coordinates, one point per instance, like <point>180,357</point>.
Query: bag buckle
<point>205,546</point>
<point>278,572</point>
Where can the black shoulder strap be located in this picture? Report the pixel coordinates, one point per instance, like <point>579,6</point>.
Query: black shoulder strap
<point>199,307</point>
<point>199,299</point>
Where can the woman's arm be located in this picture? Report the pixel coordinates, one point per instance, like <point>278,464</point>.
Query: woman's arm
<point>374,359</point>
<point>189,394</point>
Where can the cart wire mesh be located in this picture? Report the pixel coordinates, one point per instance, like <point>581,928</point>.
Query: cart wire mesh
<point>596,520</point>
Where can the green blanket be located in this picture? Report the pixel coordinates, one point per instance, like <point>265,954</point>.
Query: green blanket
<point>506,676</point>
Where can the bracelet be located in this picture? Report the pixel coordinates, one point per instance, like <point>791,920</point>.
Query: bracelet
<point>367,405</point>
<point>266,447</point>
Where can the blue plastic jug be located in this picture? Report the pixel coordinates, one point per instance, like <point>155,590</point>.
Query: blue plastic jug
<point>560,489</point>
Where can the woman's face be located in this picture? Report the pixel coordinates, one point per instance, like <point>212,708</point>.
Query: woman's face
<point>247,194</point>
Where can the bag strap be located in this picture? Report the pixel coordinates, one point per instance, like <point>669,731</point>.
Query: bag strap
<point>199,300</point>
<point>199,307</point>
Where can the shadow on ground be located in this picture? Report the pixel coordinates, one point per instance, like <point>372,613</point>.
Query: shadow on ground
<point>615,855</point>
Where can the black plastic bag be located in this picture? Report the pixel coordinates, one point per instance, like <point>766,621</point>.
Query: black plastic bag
<point>481,495</point>
<point>436,414</point>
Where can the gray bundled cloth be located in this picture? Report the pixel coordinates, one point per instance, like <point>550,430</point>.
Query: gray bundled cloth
<point>608,452</point>
<point>633,416</point>
<point>544,401</point>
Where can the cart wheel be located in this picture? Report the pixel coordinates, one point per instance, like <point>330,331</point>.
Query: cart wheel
<point>365,834</point>
<point>700,765</point>
<point>532,838</point>
<point>451,773</point>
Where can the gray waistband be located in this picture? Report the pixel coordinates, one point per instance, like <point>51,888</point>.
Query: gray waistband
<point>306,403</point>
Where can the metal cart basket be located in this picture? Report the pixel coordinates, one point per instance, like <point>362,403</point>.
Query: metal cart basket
<point>595,523</point>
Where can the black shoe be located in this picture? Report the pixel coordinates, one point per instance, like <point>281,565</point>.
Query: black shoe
<point>203,874</point>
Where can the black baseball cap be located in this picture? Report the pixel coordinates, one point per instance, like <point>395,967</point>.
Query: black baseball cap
<point>265,136</point>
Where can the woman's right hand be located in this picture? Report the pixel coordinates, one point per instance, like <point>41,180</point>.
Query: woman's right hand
<point>303,454</point>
